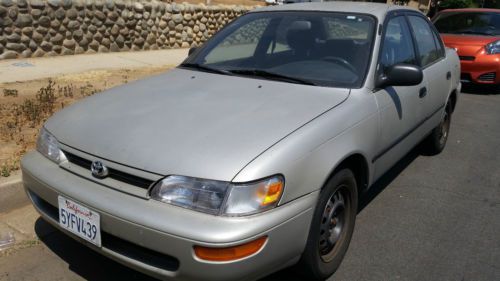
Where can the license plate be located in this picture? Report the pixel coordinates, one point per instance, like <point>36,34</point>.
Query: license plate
<point>80,220</point>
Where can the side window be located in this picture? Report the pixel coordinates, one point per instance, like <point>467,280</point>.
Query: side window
<point>426,42</point>
<point>397,46</point>
<point>439,44</point>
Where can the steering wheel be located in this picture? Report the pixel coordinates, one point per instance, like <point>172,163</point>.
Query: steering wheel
<point>342,62</point>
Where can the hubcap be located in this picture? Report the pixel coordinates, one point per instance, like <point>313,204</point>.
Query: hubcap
<point>444,128</point>
<point>332,224</point>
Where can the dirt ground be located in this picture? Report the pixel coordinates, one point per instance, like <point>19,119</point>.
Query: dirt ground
<point>24,106</point>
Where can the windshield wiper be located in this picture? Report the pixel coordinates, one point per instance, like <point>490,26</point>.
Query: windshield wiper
<point>205,68</point>
<point>271,75</point>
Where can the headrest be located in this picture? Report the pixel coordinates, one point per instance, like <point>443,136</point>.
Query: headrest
<point>299,36</point>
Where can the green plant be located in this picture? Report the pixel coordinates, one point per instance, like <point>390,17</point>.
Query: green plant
<point>4,171</point>
<point>46,97</point>
<point>400,2</point>
<point>10,92</point>
<point>455,4</point>
<point>31,111</point>
<point>88,90</point>
<point>10,129</point>
<point>66,91</point>
<point>35,110</point>
<point>489,4</point>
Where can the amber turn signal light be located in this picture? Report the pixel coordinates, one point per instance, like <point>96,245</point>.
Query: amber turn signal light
<point>230,253</point>
<point>270,193</point>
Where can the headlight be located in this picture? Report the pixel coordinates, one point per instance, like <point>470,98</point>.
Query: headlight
<point>47,145</point>
<point>218,197</point>
<point>493,48</point>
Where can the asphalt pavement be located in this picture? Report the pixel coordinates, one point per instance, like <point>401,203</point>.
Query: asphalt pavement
<point>428,218</point>
<point>435,217</point>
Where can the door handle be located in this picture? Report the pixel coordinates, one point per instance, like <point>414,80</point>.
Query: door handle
<point>423,92</point>
<point>448,75</point>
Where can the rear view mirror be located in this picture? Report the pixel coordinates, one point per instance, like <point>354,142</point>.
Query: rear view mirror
<point>300,25</point>
<point>192,50</point>
<point>400,75</point>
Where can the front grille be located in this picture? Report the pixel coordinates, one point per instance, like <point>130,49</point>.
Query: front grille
<point>116,244</point>
<point>488,77</point>
<point>77,160</point>
<point>113,173</point>
<point>468,58</point>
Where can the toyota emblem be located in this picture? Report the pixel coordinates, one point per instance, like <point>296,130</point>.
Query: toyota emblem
<point>98,169</point>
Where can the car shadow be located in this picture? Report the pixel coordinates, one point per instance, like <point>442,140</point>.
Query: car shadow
<point>388,177</point>
<point>98,267</point>
<point>474,89</point>
<point>397,101</point>
<point>82,260</point>
<point>288,274</point>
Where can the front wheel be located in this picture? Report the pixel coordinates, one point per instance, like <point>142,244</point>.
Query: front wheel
<point>331,227</point>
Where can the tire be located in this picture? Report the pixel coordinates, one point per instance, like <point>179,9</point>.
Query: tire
<point>436,141</point>
<point>331,227</point>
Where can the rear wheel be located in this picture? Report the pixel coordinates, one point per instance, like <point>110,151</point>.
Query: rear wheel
<point>436,141</point>
<point>331,227</point>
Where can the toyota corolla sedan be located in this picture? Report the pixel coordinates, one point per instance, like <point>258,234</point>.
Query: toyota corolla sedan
<point>475,34</point>
<point>251,155</point>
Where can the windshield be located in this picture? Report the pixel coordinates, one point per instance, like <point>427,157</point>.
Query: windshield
<point>314,48</point>
<point>469,23</point>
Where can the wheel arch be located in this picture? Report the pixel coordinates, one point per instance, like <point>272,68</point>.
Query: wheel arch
<point>358,164</point>
<point>452,99</point>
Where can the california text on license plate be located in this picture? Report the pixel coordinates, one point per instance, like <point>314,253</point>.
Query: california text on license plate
<point>79,220</point>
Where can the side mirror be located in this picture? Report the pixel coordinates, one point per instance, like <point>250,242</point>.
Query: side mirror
<point>400,75</point>
<point>192,50</point>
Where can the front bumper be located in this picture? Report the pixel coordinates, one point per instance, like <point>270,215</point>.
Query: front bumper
<point>158,239</point>
<point>483,69</point>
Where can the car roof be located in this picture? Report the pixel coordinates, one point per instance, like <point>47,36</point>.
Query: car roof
<point>470,10</point>
<point>379,10</point>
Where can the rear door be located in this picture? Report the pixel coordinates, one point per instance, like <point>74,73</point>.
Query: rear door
<point>437,72</point>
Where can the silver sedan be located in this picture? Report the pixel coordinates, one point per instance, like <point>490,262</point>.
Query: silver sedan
<point>251,155</point>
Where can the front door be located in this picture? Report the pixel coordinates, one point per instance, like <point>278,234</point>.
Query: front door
<point>400,108</point>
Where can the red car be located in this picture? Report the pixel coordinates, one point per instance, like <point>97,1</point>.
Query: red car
<point>475,34</point>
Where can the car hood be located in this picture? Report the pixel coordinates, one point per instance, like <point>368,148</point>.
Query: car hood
<point>467,45</point>
<point>190,123</point>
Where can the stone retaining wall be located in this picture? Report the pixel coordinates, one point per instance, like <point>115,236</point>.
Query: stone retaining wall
<point>36,28</point>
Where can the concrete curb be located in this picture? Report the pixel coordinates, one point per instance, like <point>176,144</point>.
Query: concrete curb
<point>12,195</point>
<point>17,215</point>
